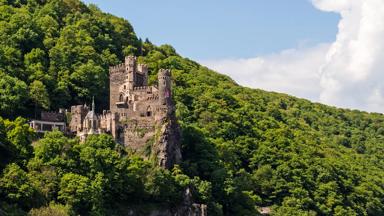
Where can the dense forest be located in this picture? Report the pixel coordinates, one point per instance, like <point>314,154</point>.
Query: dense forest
<point>242,148</point>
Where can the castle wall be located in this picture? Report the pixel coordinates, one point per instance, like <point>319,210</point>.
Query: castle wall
<point>143,69</point>
<point>141,117</point>
<point>139,133</point>
<point>106,121</point>
<point>117,77</point>
<point>52,116</point>
<point>139,80</point>
<point>78,114</point>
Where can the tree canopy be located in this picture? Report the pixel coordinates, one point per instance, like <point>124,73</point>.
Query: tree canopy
<point>242,148</point>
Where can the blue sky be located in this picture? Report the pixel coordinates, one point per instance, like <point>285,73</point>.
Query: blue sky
<point>329,51</point>
<point>216,29</point>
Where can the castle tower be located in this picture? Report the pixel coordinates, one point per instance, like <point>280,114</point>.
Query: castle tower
<point>130,68</point>
<point>78,114</point>
<point>164,77</point>
<point>143,69</point>
<point>117,78</point>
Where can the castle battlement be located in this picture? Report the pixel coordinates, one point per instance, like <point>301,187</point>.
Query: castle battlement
<point>164,72</point>
<point>142,88</point>
<point>120,68</point>
<point>136,109</point>
<point>142,69</point>
<point>79,109</point>
<point>130,59</point>
<point>106,114</point>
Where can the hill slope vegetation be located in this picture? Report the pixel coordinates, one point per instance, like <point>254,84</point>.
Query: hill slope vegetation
<point>242,148</point>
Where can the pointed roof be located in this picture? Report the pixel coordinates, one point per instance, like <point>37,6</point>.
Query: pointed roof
<point>93,103</point>
<point>91,114</point>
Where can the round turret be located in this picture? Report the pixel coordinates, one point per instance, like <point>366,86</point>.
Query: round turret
<point>164,77</point>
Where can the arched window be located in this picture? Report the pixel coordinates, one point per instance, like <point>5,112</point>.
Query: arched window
<point>149,111</point>
<point>121,98</point>
<point>125,87</point>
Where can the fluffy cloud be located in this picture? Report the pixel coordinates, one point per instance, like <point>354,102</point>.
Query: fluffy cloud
<point>353,73</point>
<point>347,73</point>
<point>290,71</point>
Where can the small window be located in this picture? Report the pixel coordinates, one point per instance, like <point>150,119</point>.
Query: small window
<point>121,98</point>
<point>149,111</point>
<point>125,87</point>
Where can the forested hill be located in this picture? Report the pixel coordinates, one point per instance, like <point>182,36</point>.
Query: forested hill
<point>242,148</point>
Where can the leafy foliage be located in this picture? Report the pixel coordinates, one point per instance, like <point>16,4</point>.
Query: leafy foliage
<point>242,148</point>
<point>39,95</point>
<point>60,47</point>
<point>89,178</point>
<point>13,93</point>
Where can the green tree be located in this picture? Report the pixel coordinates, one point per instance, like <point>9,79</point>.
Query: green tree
<point>36,65</point>
<point>21,136</point>
<point>13,95</point>
<point>7,150</point>
<point>16,187</point>
<point>39,95</point>
<point>55,149</point>
<point>89,79</point>
<point>51,210</point>
<point>77,191</point>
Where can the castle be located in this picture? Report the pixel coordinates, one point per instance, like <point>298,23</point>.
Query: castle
<point>141,117</point>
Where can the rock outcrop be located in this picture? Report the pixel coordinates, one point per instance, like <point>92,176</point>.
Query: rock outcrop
<point>167,147</point>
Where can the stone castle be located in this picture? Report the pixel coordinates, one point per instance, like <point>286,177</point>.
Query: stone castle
<point>140,117</point>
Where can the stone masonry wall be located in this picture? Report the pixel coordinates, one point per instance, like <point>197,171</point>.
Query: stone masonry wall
<point>117,78</point>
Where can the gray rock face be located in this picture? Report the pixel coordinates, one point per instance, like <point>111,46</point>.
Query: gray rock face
<point>168,145</point>
<point>189,208</point>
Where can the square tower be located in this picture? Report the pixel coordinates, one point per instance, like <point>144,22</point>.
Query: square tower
<point>130,68</point>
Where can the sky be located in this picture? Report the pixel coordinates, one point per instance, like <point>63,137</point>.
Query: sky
<point>328,51</point>
<point>217,29</point>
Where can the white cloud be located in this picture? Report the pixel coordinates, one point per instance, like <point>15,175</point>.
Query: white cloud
<point>292,71</point>
<point>347,73</point>
<point>353,73</point>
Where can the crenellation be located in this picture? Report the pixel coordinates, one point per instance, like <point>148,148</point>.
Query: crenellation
<point>141,88</point>
<point>137,112</point>
<point>142,68</point>
<point>120,68</point>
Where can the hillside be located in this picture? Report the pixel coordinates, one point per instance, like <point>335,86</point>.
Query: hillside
<point>242,148</point>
